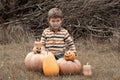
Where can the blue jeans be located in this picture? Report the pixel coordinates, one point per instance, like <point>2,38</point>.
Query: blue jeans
<point>57,56</point>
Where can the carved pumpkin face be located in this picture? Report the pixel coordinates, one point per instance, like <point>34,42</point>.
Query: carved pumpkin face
<point>69,56</point>
<point>37,47</point>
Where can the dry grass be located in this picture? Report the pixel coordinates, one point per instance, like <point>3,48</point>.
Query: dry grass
<point>15,33</point>
<point>102,57</point>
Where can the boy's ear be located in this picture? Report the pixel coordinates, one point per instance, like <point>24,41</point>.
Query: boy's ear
<point>48,19</point>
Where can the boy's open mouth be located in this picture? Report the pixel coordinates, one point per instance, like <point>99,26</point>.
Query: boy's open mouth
<point>38,51</point>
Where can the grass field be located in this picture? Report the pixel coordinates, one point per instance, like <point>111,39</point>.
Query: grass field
<point>104,58</point>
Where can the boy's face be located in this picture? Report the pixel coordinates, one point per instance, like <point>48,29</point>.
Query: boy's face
<point>55,23</point>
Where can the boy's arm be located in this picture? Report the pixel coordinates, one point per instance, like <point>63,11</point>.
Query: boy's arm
<point>43,38</point>
<point>70,43</point>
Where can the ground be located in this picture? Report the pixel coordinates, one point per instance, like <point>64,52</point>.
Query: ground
<point>104,59</point>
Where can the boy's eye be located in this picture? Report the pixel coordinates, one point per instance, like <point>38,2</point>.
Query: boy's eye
<point>53,21</point>
<point>57,20</point>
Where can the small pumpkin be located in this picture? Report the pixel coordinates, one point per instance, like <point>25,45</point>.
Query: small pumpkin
<point>37,43</point>
<point>50,65</point>
<point>69,56</point>
<point>87,71</point>
<point>69,67</point>
<point>37,47</point>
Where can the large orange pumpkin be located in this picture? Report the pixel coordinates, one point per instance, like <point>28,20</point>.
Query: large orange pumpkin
<point>69,67</point>
<point>27,60</point>
<point>34,59</point>
<point>50,65</point>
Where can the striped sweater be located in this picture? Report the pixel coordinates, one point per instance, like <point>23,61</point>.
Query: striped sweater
<point>57,42</point>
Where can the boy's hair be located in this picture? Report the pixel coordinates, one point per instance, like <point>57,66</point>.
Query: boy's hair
<point>54,13</point>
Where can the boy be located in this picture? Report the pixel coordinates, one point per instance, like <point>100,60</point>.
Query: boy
<point>55,38</point>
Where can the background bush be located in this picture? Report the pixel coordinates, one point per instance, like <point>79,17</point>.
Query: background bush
<point>88,19</point>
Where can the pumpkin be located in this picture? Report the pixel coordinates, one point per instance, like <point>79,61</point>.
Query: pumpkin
<point>38,47</point>
<point>28,60</point>
<point>87,70</point>
<point>50,65</point>
<point>37,50</point>
<point>37,43</point>
<point>69,56</point>
<point>34,61</point>
<point>69,67</point>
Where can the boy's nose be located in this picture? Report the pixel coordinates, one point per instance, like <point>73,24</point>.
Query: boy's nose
<point>56,23</point>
